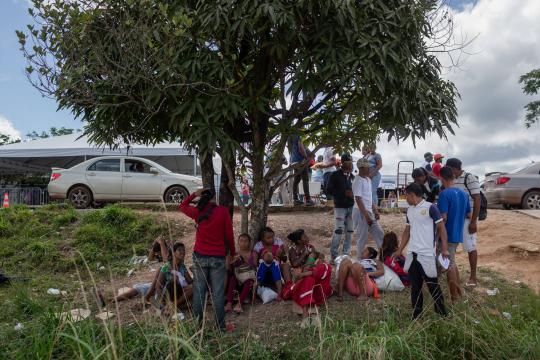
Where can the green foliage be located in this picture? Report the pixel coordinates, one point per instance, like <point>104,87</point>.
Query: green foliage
<point>239,78</point>
<point>531,86</point>
<point>51,237</point>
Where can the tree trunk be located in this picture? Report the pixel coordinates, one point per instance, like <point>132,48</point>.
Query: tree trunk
<point>226,197</point>
<point>207,170</point>
<point>260,196</point>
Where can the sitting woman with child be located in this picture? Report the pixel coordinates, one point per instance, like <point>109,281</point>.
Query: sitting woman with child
<point>242,274</point>
<point>312,286</point>
<point>173,278</point>
<point>273,261</point>
<point>357,275</point>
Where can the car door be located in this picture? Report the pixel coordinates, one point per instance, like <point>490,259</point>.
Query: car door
<point>105,179</point>
<point>139,183</point>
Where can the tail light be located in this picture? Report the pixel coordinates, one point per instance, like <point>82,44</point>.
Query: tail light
<point>502,180</point>
<point>55,176</point>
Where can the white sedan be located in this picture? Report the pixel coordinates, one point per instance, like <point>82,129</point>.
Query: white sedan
<point>119,178</point>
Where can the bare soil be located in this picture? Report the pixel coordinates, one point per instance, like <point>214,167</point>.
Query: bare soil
<point>501,229</point>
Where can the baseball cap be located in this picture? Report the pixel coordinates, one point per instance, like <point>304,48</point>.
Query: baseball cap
<point>438,156</point>
<point>362,163</point>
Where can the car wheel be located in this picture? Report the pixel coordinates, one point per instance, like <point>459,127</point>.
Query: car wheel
<point>175,195</point>
<point>80,197</point>
<point>531,201</point>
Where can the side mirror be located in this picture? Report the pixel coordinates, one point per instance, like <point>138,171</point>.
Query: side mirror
<point>154,171</point>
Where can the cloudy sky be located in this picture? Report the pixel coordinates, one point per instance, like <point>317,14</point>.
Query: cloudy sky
<point>491,134</point>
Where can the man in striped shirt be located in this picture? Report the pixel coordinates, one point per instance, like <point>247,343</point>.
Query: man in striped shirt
<point>468,183</point>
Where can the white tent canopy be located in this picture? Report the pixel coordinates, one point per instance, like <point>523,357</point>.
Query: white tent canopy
<point>68,150</point>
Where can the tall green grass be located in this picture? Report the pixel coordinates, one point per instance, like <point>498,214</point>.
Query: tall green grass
<point>58,245</point>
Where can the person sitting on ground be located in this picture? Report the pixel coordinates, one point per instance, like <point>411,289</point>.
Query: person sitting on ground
<point>160,250</point>
<point>269,241</point>
<point>243,274</point>
<point>356,275</point>
<point>174,278</point>
<point>389,247</point>
<point>268,273</point>
<point>431,187</point>
<point>300,248</point>
<point>312,287</point>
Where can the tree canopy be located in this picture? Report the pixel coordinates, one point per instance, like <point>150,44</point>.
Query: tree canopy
<point>531,86</point>
<point>240,77</point>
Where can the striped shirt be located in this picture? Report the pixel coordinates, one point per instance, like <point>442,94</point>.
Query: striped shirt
<point>472,188</point>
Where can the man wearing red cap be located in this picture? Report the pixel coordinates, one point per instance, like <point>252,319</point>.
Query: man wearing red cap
<point>436,168</point>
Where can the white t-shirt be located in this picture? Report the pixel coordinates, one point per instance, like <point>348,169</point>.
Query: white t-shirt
<point>327,155</point>
<point>422,220</point>
<point>362,188</point>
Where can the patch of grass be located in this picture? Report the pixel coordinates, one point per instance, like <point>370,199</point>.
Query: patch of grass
<point>474,329</point>
<point>33,240</point>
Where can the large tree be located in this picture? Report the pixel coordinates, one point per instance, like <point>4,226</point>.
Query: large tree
<point>531,86</point>
<point>240,77</point>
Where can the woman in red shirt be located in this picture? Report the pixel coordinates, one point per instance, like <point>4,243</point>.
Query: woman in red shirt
<point>214,240</point>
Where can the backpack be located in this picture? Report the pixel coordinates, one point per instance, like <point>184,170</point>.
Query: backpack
<point>482,215</point>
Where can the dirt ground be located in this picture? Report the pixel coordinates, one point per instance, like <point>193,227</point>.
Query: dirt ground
<point>501,229</point>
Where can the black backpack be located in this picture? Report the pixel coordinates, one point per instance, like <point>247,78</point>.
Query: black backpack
<point>482,215</point>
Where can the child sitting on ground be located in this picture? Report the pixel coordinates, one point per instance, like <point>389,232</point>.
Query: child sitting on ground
<point>389,247</point>
<point>174,278</point>
<point>243,273</point>
<point>268,274</point>
<point>160,250</point>
<point>269,241</point>
<point>356,275</point>
<point>300,249</point>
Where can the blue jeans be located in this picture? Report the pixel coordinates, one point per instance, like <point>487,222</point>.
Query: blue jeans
<point>209,274</point>
<point>343,224</point>
<point>375,182</point>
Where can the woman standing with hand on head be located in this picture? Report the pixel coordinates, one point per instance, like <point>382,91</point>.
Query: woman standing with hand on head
<point>214,240</point>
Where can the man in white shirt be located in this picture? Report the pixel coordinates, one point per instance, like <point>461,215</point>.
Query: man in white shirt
<point>329,166</point>
<point>365,212</point>
<point>423,219</point>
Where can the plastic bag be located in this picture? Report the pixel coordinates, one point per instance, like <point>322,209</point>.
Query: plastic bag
<point>266,294</point>
<point>390,281</point>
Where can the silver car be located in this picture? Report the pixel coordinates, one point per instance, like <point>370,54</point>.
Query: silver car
<point>119,178</point>
<point>518,188</point>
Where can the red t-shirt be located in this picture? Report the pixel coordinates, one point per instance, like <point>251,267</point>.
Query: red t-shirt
<point>212,233</point>
<point>436,168</point>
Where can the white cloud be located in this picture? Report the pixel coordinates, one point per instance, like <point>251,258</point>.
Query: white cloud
<point>492,135</point>
<point>7,128</point>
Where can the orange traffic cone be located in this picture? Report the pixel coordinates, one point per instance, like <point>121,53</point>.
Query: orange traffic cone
<point>6,200</point>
